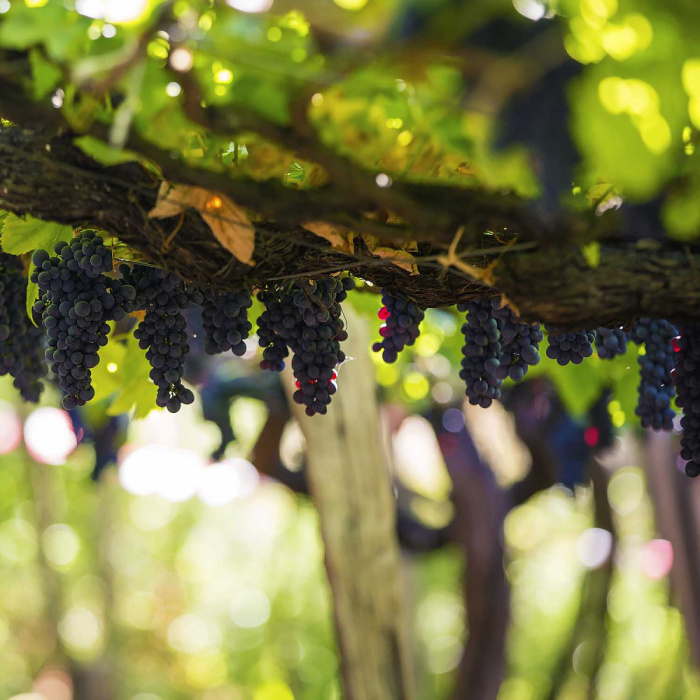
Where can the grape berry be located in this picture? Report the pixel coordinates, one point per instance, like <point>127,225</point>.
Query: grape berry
<point>225,321</point>
<point>306,319</point>
<point>610,342</point>
<point>76,302</point>
<point>687,379</point>
<point>656,361</point>
<point>162,333</point>
<point>569,347</point>
<point>401,325</point>
<point>21,353</point>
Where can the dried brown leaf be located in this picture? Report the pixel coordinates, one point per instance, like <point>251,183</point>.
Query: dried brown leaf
<point>338,236</point>
<point>228,222</point>
<point>400,258</point>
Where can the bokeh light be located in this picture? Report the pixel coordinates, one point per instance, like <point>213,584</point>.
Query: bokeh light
<point>250,608</point>
<point>49,435</point>
<point>172,473</point>
<point>656,558</point>
<point>225,481</point>
<point>594,547</point>
<point>250,5</point>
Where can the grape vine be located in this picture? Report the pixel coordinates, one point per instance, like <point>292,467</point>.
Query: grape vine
<point>80,294</point>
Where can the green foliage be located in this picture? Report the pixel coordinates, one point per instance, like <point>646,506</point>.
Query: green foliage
<point>25,234</point>
<point>121,379</point>
<point>428,114</point>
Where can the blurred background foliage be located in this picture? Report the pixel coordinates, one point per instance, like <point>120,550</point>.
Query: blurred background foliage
<point>168,574</point>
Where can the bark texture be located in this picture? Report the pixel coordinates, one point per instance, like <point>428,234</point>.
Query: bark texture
<point>547,279</point>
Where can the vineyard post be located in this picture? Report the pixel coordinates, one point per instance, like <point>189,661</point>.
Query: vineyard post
<point>351,488</point>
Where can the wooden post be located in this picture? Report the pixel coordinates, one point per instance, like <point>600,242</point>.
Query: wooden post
<point>352,491</point>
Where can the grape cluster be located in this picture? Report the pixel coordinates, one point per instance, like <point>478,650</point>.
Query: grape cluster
<point>77,300</point>
<point>569,347</point>
<point>656,362</point>
<point>521,342</point>
<point>278,306</point>
<point>225,321</point>
<point>306,319</point>
<point>610,342</point>
<point>483,348</point>
<point>401,325</point>
<point>687,379</point>
<point>162,332</point>
<point>21,354</point>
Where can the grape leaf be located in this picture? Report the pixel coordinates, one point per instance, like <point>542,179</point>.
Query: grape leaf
<point>103,152</point>
<point>32,296</point>
<point>22,235</point>
<point>44,74</point>
<point>137,391</point>
<point>592,254</point>
<point>121,378</point>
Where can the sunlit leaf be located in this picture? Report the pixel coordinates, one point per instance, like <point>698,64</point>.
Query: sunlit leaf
<point>22,235</point>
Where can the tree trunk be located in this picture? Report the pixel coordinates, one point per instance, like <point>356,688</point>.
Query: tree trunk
<point>677,520</point>
<point>351,489</point>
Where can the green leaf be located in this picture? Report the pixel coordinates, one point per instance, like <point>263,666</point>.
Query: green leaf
<point>103,152</point>
<point>592,254</point>
<point>32,296</point>
<point>45,75</point>
<point>124,375</point>
<point>22,235</point>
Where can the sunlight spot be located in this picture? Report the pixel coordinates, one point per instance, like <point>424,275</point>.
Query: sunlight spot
<point>60,544</point>
<point>225,481</point>
<point>49,436</point>
<point>656,558</point>
<point>532,9</point>
<point>350,4</point>
<point>250,608</point>
<point>224,76</point>
<point>593,547</point>
<point>250,5</point>
<point>383,180</point>
<point>181,60</point>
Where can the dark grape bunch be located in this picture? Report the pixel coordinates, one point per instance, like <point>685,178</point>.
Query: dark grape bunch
<point>521,342</point>
<point>162,333</point>
<point>687,379</point>
<point>77,300</point>
<point>225,321</point>
<point>569,347</point>
<point>21,354</point>
<point>481,365</point>
<point>610,342</point>
<point>306,319</point>
<point>278,306</point>
<point>401,324</point>
<point>656,389</point>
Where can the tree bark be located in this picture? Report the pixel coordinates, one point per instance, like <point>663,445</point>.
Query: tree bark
<point>678,520</point>
<point>352,491</point>
<point>46,176</point>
